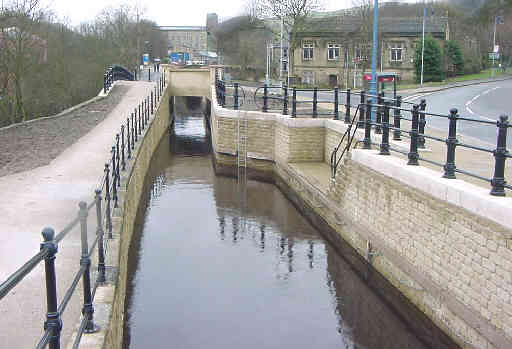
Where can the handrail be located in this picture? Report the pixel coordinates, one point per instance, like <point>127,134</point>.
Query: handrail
<point>335,162</point>
<point>378,107</point>
<point>124,144</point>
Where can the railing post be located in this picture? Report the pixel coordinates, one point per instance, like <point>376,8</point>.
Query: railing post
<point>336,103</point>
<point>149,74</point>
<point>451,144</point>
<point>396,119</point>
<point>380,101</point>
<point>265,96</point>
<point>107,199</point>
<point>347,108</point>
<point>285,100</point>
<point>100,233</point>
<point>413,150</point>
<point>152,103</point>
<point>85,262</point>
<point>367,142</point>
<point>53,321</point>
<point>140,119</point>
<point>114,177</point>
<point>123,160</point>
<point>498,180</point>
<point>118,162</point>
<point>294,102</point>
<point>128,138</point>
<point>147,110</point>
<point>105,83</point>
<point>134,129</point>
<point>235,96</point>
<point>223,93</point>
<point>144,108</point>
<point>421,127</point>
<point>362,110</point>
<point>384,145</point>
<point>315,102</point>
<point>144,113</point>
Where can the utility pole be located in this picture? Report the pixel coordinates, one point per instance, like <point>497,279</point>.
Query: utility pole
<point>268,65</point>
<point>493,73</point>
<point>373,83</point>
<point>282,51</point>
<point>423,42</point>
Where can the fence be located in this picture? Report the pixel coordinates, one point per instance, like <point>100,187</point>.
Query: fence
<point>373,113</point>
<point>114,73</point>
<point>122,150</point>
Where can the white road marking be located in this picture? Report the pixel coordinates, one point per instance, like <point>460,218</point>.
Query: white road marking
<point>416,96</point>
<point>472,100</point>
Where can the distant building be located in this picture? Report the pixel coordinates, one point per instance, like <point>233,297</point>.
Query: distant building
<point>331,50</point>
<point>190,43</point>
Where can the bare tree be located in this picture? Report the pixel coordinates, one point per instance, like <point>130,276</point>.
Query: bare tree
<point>21,49</point>
<point>293,13</point>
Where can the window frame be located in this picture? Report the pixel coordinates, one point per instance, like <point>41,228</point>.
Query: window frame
<point>333,47</point>
<point>307,47</point>
<point>395,49</point>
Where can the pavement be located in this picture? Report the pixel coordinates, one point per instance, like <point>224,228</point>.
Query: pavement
<point>49,196</point>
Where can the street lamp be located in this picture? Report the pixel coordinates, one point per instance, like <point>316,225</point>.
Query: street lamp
<point>423,43</point>
<point>373,83</point>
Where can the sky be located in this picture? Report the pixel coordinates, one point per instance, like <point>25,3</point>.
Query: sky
<point>164,12</point>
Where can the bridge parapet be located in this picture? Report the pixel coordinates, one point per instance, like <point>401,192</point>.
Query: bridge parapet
<point>188,81</point>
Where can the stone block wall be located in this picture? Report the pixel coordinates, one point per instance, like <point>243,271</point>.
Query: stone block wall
<point>132,188</point>
<point>445,244</point>
<point>452,263</point>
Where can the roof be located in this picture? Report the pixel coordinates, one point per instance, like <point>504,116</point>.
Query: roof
<point>351,24</point>
<point>182,28</point>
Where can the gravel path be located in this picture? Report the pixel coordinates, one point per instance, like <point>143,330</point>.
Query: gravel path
<point>26,146</point>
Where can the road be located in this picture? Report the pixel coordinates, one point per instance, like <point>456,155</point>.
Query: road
<point>482,102</point>
<point>486,102</point>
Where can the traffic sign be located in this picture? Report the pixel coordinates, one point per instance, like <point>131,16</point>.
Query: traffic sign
<point>494,56</point>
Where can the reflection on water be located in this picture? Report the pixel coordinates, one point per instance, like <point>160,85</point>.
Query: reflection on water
<point>223,265</point>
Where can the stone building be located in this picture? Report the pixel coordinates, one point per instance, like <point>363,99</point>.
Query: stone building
<point>190,41</point>
<point>333,50</point>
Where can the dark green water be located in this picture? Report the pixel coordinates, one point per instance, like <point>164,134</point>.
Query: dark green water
<point>210,271</point>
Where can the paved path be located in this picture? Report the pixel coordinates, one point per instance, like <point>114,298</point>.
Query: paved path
<point>48,196</point>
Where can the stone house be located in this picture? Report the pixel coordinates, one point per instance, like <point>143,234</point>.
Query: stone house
<point>335,50</point>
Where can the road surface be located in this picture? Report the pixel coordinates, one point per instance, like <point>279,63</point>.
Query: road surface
<point>484,102</point>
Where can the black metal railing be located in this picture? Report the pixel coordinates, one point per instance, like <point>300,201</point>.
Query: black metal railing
<point>230,95</point>
<point>375,113</point>
<point>116,72</point>
<point>122,150</point>
<point>349,136</point>
<point>417,137</point>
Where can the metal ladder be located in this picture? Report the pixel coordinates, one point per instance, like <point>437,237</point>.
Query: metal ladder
<point>242,141</point>
<point>242,170</point>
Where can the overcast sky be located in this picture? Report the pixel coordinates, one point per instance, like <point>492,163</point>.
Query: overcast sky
<point>164,12</point>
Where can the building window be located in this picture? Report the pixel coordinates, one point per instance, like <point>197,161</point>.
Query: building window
<point>396,52</point>
<point>307,51</point>
<point>309,78</point>
<point>333,52</point>
<point>361,54</point>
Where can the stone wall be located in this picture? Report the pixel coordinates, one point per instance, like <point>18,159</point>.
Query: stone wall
<point>445,244</point>
<point>132,185</point>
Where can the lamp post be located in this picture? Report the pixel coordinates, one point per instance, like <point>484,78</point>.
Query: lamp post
<point>423,43</point>
<point>373,83</point>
